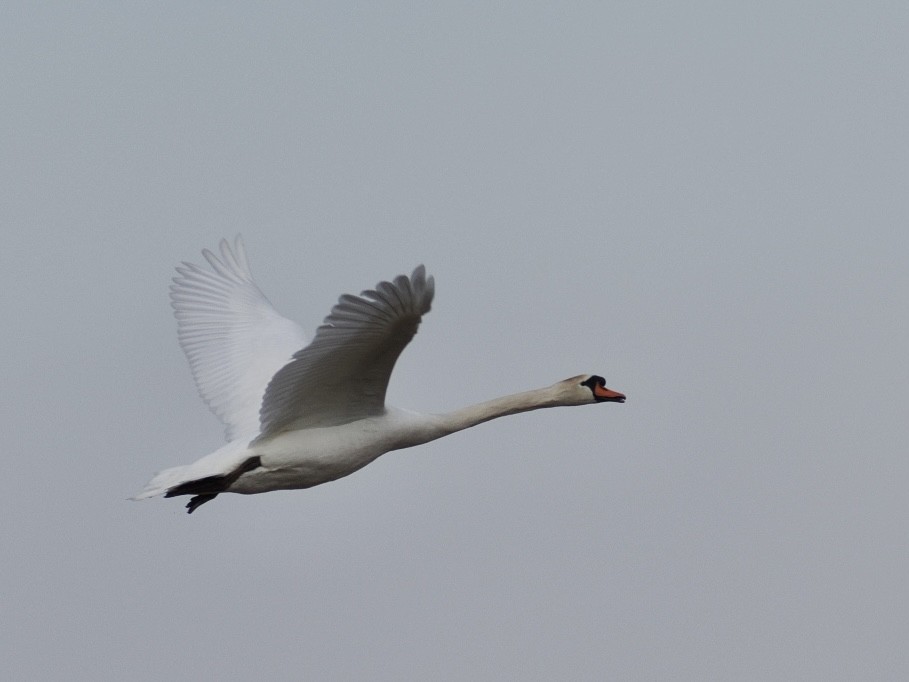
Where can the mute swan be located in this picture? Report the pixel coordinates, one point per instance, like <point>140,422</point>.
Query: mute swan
<point>297,418</point>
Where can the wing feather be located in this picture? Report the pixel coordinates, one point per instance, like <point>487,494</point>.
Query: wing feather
<point>234,339</point>
<point>343,374</point>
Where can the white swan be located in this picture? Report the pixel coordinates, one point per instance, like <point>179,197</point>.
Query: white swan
<point>297,418</point>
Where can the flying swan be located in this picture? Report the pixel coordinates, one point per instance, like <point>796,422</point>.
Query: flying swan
<point>298,415</point>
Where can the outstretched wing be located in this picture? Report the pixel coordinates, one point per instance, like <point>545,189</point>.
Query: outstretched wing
<point>342,375</point>
<point>234,339</point>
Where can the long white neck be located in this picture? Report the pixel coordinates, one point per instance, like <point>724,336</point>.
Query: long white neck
<point>427,427</point>
<point>500,407</point>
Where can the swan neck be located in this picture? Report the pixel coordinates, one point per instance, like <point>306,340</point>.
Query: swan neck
<point>498,407</point>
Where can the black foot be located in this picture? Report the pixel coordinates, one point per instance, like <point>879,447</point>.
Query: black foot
<point>206,489</point>
<point>194,502</point>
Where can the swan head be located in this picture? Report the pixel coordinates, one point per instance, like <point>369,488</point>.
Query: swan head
<point>591,388</point>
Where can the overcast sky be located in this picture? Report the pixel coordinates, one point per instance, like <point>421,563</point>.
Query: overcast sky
<point>704,202</point>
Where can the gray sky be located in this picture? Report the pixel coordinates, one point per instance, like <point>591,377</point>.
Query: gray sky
<point>704,202</point>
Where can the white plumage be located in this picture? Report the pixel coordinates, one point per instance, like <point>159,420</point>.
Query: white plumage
<point>298,415</point>
<point>233,338</point>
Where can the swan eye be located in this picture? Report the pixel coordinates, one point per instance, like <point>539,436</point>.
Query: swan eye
<point>594,381</point>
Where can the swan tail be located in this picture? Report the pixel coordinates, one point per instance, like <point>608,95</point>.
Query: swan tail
<point>162,482</point>
<point>220,463</point>
<point>177,481</point>
<point>172,482</point>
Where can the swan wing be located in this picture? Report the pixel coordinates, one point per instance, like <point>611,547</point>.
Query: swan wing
<point>342,375</point>
<point>234,339</point>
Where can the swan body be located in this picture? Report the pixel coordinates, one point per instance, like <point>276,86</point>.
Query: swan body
<point>298,415</point>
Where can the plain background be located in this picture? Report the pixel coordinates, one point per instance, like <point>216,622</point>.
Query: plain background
<point>705,202</point>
